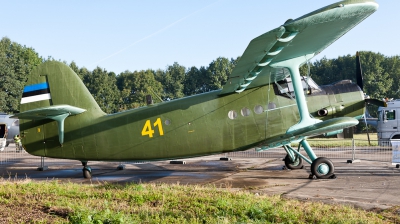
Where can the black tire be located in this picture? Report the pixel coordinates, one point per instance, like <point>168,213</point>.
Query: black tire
<point>87,172</point>
<point>322,161</point>
<point>298,164</point>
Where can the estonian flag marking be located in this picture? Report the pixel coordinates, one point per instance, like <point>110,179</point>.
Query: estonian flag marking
<point>36,92</point>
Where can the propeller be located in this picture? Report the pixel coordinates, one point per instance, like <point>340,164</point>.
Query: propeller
<point>359,75</point>
<point>360,83</point>
<point>379,103</point>
<point>376,102</point>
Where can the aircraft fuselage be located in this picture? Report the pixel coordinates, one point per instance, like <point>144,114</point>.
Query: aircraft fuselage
<point>198,125</point>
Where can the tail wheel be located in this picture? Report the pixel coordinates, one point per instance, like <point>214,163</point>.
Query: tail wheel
<point>87,172</point>
<point>322,168</point>
<point>297,164</point>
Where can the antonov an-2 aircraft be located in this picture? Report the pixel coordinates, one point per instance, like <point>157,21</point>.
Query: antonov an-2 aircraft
<point>264,104</point>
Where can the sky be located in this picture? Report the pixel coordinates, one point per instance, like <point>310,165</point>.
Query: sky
<point>137,35</point>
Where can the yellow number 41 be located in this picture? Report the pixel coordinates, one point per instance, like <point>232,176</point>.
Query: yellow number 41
<point>148,129</point>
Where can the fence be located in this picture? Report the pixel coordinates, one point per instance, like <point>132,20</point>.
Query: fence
<point>331,148</point>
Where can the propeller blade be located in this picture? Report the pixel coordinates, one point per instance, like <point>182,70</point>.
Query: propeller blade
<point>359,75</point>
<point>366,127</point>
<point>376,102</point>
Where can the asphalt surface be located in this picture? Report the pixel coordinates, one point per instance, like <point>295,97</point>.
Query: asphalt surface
<point>368,184</point>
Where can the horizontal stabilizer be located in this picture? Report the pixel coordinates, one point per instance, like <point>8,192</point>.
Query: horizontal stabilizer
<point>57,113</point>
<point>49,112</point>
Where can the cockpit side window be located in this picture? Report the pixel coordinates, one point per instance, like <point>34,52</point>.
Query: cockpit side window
<point>390,115</point>
<point>285,87</point>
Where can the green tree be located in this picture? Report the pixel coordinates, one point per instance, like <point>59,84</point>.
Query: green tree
<point>195,81</point>
<point>392,67</point>
<point>102,85</point>
<point>173,81</point>
<point>134,87</point>
<point>16,62</point>
<point>327,71</point>
<point>218,72</point>
<point>377,81</point>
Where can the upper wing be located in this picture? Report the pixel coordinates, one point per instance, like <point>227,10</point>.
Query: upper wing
<point>307,35</point>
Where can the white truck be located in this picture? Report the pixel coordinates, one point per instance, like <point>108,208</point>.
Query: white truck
<point>388,123</point>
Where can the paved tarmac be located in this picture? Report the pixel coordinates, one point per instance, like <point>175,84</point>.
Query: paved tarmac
<point>368,184</point>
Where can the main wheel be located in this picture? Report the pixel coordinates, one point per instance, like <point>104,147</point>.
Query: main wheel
<point>297,164</point>
<point>322,168</point>
<point>87,172</point>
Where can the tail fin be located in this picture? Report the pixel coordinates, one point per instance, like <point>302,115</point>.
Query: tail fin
<point>54,83</point>
<point>54,92</point>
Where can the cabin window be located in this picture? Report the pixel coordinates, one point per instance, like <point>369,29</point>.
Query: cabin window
<point>390,115</point>
<point>232,114</point>
<point>271,106</point>
<point>258,109</point>
<point>245,112</point>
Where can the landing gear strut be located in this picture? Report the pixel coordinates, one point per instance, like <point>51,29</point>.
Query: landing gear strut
<point>321,167</point>
<point>87,171</point>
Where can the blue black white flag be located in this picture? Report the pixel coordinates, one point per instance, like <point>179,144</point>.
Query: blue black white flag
<point>36,92</point>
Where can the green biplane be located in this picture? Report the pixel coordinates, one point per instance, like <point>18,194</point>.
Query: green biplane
<point>264,104</point>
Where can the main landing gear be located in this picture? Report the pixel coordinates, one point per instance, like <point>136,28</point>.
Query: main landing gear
<point>295,163</point>
<point>87,171</point>
<point>321,167</point>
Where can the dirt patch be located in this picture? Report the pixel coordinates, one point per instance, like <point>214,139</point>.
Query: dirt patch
<point>25,213</point>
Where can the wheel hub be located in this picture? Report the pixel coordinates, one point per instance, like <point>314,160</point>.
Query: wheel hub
<point>323,169</point>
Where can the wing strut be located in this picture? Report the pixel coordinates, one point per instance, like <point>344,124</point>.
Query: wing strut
<point>293,65</point>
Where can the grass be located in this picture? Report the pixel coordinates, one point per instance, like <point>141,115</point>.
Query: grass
<point>56,202</point>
